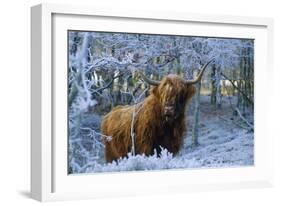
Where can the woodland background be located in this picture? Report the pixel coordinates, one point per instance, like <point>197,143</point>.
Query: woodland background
<point>103,74</point>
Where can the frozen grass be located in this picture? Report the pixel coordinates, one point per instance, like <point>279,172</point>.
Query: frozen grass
<point>222,143</point>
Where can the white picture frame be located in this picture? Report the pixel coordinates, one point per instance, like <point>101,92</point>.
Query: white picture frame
<point>49,179</point>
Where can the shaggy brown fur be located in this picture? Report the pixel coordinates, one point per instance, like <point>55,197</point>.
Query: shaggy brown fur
<point>160,121</point>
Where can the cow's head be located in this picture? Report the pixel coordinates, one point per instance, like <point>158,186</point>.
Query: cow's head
<point>173,93</point>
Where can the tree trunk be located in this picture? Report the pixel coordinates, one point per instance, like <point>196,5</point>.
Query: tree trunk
<point>178,67</point>
<point>240,76</point>
<point>213,86</point>
<point>218,88</point>
<point>196,116</point>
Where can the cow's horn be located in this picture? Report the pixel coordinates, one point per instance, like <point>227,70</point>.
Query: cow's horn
<point>149,81</point>
<point>199,76</point>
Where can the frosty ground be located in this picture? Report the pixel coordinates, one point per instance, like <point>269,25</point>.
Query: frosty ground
<point>224,141</point>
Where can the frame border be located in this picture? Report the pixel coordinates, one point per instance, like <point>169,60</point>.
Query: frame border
<point>42,154</point>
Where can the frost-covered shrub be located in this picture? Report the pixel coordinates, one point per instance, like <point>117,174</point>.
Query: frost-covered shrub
<point>142,162</point>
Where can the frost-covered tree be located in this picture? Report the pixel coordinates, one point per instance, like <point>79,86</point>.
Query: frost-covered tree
<point>102,73</point>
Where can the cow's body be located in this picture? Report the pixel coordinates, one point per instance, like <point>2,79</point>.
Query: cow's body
<point>159,120</point>
<point>152,130</point>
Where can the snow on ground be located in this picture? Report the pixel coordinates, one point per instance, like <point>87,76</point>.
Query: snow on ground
<point>224,141</point>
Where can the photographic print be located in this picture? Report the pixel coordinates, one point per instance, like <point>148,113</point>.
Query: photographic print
<point>139,102</point>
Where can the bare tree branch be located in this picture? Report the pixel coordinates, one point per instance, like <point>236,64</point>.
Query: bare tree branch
<point>110,82</point>
<point>239,90</point>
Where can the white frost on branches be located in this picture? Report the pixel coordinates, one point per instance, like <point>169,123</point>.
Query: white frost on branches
<point>96,59</point>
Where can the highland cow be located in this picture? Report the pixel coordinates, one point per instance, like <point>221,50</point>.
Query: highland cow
<point>159,120</point>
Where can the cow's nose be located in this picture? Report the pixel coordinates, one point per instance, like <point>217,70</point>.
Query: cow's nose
<point>169,110</point>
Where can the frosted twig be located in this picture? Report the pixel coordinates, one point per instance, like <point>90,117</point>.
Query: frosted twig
<point>141,95</point>
<point>94,133</point>
<point>132,131</point>
<point>240,115</point>
<point>133,119</point>
<point>238,89</point>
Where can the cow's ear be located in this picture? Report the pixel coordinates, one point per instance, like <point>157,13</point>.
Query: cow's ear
<point>190,92</point>
<point>154,90</point>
